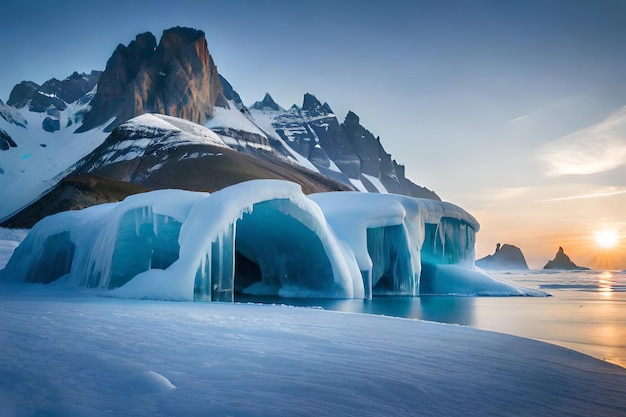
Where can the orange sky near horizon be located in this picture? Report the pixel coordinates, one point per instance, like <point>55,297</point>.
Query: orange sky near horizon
<point>539,227</point>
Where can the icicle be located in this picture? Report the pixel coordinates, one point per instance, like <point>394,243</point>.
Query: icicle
<point>137,222</point>
<point>155,224</point>
<point>367,283</point>
<point>223,267</point>
<point>442,238</point>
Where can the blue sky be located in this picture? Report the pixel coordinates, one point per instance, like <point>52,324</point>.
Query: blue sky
<point>468,94</point>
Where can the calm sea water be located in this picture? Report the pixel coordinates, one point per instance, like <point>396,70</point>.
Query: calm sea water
<point>587,310</point>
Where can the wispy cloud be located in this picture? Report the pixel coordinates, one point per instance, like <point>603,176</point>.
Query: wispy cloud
<point>519,118</point>
<point>589,195</point>
<point>545,110</point>
<point>595,149</point>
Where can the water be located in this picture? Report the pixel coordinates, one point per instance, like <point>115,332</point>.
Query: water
<point>587,310</point>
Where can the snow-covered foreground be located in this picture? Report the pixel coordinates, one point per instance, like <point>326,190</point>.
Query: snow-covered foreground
<point>69,354</point>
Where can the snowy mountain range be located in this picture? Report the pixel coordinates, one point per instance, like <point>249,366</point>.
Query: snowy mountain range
<point>160,116</point>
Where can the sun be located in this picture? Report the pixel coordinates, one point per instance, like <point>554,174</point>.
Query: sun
<point>607,239</point>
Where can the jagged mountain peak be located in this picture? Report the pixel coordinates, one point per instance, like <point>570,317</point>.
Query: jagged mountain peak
<point>138,50</point>
<point>177,77</point>
<point>351,119</point>
<point>183,34</point>
<point>267,103</point>
<point>53,93</point>
<point>311,103</point>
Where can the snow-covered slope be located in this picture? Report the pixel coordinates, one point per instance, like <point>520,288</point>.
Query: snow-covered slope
<point>147,134</point>
<point>264,119</point>
<point>236,129</point>
<point>40,158</point>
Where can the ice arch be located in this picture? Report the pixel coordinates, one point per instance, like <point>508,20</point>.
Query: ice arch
<point>289,256</point>
<point>398,241</point>
<point>106,245</point>
<point>260,237</point>
<point>54,260</point>
<point>269,226</point>
<point>384,233</point>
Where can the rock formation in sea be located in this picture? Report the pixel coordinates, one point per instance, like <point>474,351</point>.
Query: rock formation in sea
<point>506,257</point>
<point>562,261</point>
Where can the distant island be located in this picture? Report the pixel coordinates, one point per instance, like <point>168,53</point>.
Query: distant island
<point>505,257</point>
<point>562,261</point>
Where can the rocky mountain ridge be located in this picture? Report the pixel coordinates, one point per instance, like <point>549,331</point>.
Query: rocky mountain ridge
<point>53,98</point>
<point>178,77</point>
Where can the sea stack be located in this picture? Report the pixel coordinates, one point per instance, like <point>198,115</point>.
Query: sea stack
<point>506,257</point>
<point>562,261</point>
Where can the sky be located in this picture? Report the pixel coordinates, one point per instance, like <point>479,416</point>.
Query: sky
<point>512,110</point>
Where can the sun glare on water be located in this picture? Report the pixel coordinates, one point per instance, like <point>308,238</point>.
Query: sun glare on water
<point>607,239</point>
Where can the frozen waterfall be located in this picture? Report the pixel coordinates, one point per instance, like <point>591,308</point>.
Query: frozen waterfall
<point>257,237</point>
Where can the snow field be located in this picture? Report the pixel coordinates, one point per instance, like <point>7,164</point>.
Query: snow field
<point>75,355</point>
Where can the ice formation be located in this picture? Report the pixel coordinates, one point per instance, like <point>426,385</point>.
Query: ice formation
<point>258,237</point>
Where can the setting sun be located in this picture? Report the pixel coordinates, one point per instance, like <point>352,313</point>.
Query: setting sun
<point>607,238</point>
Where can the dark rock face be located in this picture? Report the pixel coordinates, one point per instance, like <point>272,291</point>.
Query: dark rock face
<point>326,128</point>
<point>22,93</point>
<point>313,105</point>
<point>374,160</point>
<point>6,141</point>
<point>30,93</point>
<point>50,124</point>
<point>506,257</point>
<point>177,78</point>
<point>299,128</point>
<point>53,94</point>
<point>229,93</point>
<point>73,87</point>
<point>562,261</point>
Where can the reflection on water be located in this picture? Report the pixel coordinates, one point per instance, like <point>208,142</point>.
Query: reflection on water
<point>586,312</point>
<point>455,310</point>
<point>605,284</point>
<point>443,309</point>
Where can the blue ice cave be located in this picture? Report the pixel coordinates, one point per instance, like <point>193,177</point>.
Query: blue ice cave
<point>262,237</point>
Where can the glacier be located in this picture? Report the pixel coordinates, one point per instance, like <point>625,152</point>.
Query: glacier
<point>260,237</point>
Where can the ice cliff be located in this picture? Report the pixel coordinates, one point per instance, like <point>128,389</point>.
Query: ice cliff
<point>258,237</point>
